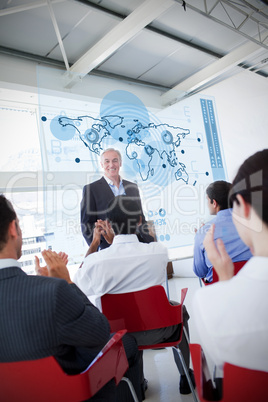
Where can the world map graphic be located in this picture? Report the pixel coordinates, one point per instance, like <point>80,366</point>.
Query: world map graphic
<point>152,146</point>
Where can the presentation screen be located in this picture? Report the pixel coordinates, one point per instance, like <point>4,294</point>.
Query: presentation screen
<point>172,154</point>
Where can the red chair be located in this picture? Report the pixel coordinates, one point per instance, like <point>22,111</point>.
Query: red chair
<point>145,310</point>
<point>44,380</point>
<point>239,384</point>
<point>237,266</point>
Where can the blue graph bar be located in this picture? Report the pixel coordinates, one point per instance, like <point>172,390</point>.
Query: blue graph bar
<point>213,143</point>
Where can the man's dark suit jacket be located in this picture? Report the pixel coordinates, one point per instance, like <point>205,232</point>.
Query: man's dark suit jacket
<point>42,316</point>
<point>96,197</point>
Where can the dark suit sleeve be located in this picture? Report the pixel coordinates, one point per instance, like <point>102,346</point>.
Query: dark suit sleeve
<point>88,204</point>
<point>132,191</point>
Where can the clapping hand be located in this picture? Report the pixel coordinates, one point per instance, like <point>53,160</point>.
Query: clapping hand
<point>56,265</point>
<point>105,229</point>
<point>218,255</point>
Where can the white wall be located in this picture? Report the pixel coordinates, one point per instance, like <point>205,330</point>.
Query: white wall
<point>242,108</point>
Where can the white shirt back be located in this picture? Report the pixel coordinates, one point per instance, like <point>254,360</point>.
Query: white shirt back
<point>126,266</point>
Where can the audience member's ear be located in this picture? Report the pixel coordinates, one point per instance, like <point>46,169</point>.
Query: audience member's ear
<point>140,221</point>
<point>13,229</point>
<point>244,207</point>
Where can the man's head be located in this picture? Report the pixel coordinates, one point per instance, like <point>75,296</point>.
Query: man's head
<point>249,199</point>
<point>111,162</point>
<point>217,195</point>
<point>10,232</point>
<point>124,215</point>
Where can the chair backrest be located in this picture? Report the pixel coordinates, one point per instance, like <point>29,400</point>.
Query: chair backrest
<point>237,266</point>
<point>239,384</point>
<point>142,310</point>
<point>43,379</point>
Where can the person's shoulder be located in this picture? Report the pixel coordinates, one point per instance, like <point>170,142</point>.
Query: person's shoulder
<point>46,284</point>
<point>202,231</point>
<point>156,246</point>
<point>129,183</point>
<point>94,184</point>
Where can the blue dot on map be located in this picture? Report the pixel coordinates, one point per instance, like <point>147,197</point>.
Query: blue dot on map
<point>43,118</point>
<point>162,212</point>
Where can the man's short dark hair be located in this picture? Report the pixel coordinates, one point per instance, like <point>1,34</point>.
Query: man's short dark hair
<point>219,191</point>
<point>124,214</point>
<point>251,182</point>
<point>7,215</point>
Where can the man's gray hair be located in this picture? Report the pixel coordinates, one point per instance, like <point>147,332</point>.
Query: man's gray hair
<point>111,149</point>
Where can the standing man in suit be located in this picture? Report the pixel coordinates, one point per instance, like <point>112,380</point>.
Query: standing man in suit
<point>49,315</point>
<point>97,196</point>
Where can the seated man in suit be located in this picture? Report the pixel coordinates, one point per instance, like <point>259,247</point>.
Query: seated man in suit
<point>217,196</point>
<point>49,315</point>
<point>98,194</point>
<point>126,266</point>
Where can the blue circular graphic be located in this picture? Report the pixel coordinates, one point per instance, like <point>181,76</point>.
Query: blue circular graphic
<point>43,118</point>
<point>167,237</point>
<point>61,129</point>
<point>167,137</point>
<point>162,237</point>
<point>77,160</point>
<point>162,212</point>
<point>91,135</point>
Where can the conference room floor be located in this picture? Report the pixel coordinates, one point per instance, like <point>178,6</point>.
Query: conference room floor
<point>159,366</point>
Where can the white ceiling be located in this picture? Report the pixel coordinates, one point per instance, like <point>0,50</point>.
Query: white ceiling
<point>179,47</point>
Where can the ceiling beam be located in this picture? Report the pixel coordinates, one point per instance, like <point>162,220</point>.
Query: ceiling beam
<point>197,81</point>
<point>118,36</point>
<point>26,7</point>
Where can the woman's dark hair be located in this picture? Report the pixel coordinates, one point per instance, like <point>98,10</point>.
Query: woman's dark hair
<point>251,182</point>
<point>7,215</point>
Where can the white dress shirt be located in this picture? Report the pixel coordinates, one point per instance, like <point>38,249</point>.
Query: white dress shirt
<point>116,190</point>
<point>126,266</point>
<point>232,317</point>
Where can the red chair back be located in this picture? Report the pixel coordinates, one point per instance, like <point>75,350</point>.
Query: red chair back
<point>237,266</point>
<point>142,310</point>
<point>239,384</point>
<point>44,380</point>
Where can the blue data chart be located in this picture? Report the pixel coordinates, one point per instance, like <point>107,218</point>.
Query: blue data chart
<point>215,154</point>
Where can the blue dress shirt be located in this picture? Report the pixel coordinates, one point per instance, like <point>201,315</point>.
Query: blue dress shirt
<point>226,230</point>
